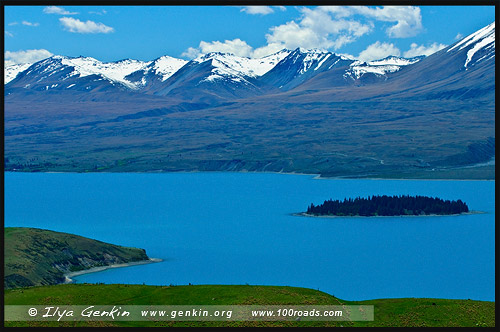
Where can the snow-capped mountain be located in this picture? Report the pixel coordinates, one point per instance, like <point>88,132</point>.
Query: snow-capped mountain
<point>480,45</point>
<point>114,72</point>
<point>465,69</point>
<point>300,65</point>
<point>222,76</point>
<point>217,76</point>
<point>297,66</point>
<point>155,71</point>
<point>152,77</point>
<point>238,69</point>
<point>306,111</point>
<point>379,68</point>
<point>165,66</point>
<point>10,72</point>
<point>61,72</point>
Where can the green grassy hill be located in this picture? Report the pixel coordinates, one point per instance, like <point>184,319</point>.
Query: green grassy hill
<point>407,312</point>
<point>41,257</point>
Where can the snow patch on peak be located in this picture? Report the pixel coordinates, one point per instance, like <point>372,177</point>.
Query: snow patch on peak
<point>394,61</point>
<point>232,67</point>
<point>311,51</point>
<point>322,61</point>
<point>113,71</point>
<point>166,66</point>
<point>485,43</point>
<point>488,32</point>
<point>481,39</point>
<point>309,58</point>
<point>268,62</point>
<point>212,55</point>
<point>56,57</point>
<point>11,72</point>
<point>312,58</point>
<point>239,69</point>
<point>380,67</point>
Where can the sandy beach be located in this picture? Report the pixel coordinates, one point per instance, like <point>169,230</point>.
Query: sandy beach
<point>68,276</point>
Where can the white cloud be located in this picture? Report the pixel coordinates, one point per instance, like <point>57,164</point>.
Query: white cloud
<point>408,19</point>
<point>9,34</point>
<point>12,23</point>
<point>378,51</point>
<point>260,10</point>
<point>292,35</point>
<point>416,50</point>
<point>338,11</point>
<point>459,36</point>
<point>236,46</point>
<point>266,50</point>
<point>191,53</point>
<point>332,27</point>
<point>28,56</point>
<point>57,10</point>
<point>102,12</point>
<point>77,26</point>
<point>315,29</point>
<point>30,24</point>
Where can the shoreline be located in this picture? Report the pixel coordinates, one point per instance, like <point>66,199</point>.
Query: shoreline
<point>68,276</point>
<point>315,176</point>
<point>304,214</point>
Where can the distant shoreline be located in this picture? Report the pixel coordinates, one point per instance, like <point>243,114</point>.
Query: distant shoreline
<point>316,176</point>
<point>68,276</point>
<point>304,214</point>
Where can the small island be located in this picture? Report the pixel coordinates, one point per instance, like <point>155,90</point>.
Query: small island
<point>403,205</point>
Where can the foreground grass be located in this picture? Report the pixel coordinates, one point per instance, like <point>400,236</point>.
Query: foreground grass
<point>408,312</point>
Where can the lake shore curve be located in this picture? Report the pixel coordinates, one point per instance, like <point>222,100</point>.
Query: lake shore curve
<point>68,276</point>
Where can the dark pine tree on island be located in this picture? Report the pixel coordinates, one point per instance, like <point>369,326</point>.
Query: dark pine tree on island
<point>388,206</point>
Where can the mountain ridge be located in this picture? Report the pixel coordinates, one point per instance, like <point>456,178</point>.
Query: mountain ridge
<point>306,114</point>
<point>225,64</point>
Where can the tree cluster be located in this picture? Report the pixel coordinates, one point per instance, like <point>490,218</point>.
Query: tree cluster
<point>388,206</point>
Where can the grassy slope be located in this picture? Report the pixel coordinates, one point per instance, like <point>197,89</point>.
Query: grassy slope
<point>31,255</point>
<point>388,312</point>
<point>425,139</point>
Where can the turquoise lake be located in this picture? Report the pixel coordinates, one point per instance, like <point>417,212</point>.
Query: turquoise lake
<point>238,228</point>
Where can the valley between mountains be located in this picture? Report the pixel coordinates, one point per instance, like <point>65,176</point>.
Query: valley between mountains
<point>302,111</point>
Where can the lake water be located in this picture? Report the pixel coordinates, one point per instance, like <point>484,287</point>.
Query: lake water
<point>237,228</point>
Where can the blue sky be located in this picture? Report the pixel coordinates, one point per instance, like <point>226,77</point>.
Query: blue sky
<point>111,33</point>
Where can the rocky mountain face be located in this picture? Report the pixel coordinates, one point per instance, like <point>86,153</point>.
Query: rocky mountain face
<point>293,111</point>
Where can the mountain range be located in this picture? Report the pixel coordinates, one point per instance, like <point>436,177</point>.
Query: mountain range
<point>225,75</point>
<point>307,111</point>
